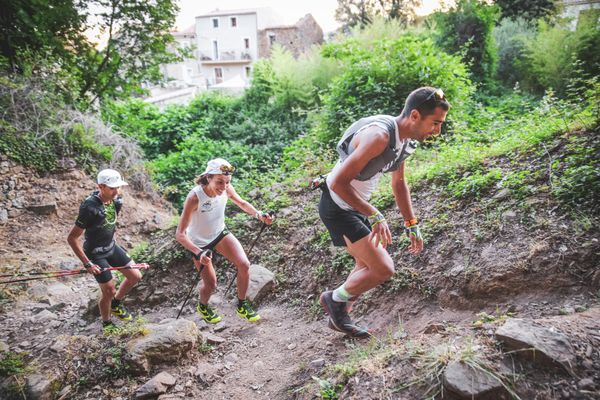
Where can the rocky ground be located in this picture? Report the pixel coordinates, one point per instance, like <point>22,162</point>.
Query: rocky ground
<point>504,303</point>
<point>233,359</point>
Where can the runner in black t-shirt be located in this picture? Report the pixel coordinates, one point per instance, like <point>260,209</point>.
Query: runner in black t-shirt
<point>98,218</point>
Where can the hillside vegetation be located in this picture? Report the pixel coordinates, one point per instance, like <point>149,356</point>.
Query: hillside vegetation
<point>508,197</point>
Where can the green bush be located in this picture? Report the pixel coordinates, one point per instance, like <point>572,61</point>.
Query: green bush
<point>38,130</point>
<point>587,37</point>
<point>467,28</point>
<point>578,180</point>
<point>11,364</point>
<point>510,37</point>
<point>379,77</point>
<point>133,118</point>
<point>175,172</point>
<point>474,184</point>
<point>83,145</point>
<point>266,115</point>
<point>27,149</point>
<point>549,65</point>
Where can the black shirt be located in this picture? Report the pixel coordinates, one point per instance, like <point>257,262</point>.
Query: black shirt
<point>98,220</point>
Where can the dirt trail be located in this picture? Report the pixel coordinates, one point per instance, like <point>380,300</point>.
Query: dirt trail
<point>245,360</point>
<point>259,361</point>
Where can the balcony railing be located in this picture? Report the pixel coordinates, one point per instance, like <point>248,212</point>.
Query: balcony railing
<point>230,55</point>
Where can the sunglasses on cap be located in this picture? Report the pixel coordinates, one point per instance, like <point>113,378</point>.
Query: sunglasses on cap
<point>437,95</point>
<point>227,169</point>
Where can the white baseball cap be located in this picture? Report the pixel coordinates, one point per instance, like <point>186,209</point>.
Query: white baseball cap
<point>110,178</point>
<point>219,166</point>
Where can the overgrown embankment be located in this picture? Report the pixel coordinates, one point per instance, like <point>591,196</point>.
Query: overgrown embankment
<point>507,198</point>
<point>502,239</point>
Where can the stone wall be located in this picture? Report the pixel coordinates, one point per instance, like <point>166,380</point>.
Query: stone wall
<point>297,38</point>
<point>20,192</point>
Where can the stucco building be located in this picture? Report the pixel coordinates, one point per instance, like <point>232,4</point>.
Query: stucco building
<point>225,46</point>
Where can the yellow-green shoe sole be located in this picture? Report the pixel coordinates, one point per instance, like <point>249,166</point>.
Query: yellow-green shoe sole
<point>256,318</point>
<point>211,321</point>
<point>121,318</point>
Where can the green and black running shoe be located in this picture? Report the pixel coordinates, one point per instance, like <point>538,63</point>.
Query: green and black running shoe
<point>109,328</point>
<point>246,311</point>
<point>121,312</point>
<point>208,313</point>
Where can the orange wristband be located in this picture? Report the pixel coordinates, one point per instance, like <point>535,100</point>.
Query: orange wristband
<point>410,222</point>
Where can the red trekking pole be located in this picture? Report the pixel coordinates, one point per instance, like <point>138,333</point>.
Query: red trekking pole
<point>32,276</point>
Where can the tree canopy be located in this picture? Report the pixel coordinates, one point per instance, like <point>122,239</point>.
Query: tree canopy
<point>361,12</point>
<point>42,36</point>
<point>527,9</point>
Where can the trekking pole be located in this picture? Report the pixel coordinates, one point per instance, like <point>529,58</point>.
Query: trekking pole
<point>208,253</point>
<point>262,228</point>
<point>73,271</point>
<point>60,274</point>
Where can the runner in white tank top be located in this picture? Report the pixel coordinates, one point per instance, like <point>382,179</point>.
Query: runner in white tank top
<point>208,221</point>
<point>202,227</point>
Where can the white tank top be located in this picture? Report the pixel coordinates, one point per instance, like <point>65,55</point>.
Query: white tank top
<point>364,188</point>
<point>208,221</point>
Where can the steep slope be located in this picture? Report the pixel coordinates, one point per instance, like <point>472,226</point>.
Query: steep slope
<point>495,249</point>
<point>37,213</point>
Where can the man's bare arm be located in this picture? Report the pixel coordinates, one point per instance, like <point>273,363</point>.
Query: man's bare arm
<point>402,193</point>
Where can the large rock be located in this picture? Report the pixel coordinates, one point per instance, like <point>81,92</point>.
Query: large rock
<point>90,304</point>
<point>473,384</point>
<point>42,208</point>
<point>543,346</point>
<point>43,317</point>
<point>56,294</point>
<point>69,263</point>
<point>155,386</point>
<point>40,387</point>
<point>261,282</point>
<point>167,341</point>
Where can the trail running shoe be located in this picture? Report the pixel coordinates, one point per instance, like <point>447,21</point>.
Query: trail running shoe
<point>208,313</point>
<point>339,319</point>
<point>246,311</point>
<point>108,327</point>
<point>121,312</point>
<point>354,331</point>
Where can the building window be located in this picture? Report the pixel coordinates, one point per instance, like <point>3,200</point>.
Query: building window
<point>233,22</point>
<point>246,43</point>
<point>215,22</point>
<point>218,75</point>
<point>215,50</point>
<point>248,71</point>
<point>271,39</point>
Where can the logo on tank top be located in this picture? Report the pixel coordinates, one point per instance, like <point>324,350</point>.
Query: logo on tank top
<point>207,206</point>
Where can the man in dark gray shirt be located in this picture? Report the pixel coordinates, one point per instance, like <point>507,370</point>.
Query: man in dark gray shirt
<point>98,218</point>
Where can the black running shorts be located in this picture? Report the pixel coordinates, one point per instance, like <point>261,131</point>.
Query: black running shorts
<point>211,245</point>
<point>340,222</point>
<point>115,257</point>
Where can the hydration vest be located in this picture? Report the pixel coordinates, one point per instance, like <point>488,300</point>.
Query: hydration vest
<point>389,160</point>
